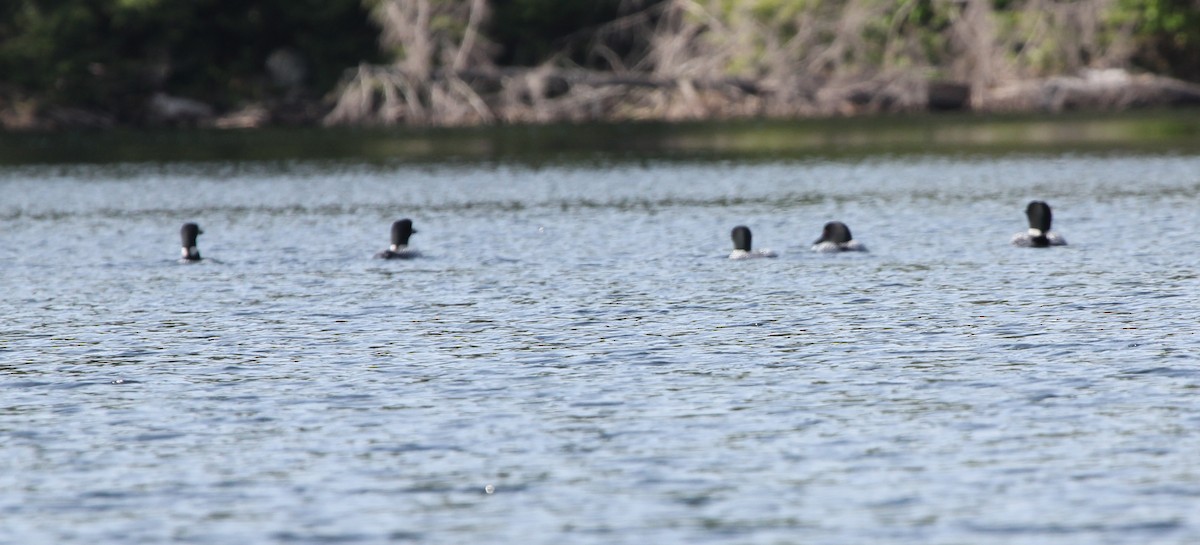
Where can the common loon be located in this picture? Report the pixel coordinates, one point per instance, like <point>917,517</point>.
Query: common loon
<point>836,237</point>
<point>1038,235</point>
<point>741,245</point>
<point>401,230</point>
<point>188,234</point>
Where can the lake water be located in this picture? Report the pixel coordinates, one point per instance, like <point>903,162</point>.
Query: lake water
<point>574,359</point>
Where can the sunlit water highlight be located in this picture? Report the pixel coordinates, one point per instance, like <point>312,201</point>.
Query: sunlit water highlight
<point>575,338</point>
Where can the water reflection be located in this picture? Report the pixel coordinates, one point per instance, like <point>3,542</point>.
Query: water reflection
<point>1154,131</point>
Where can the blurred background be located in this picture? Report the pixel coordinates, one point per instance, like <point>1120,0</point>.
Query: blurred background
<point>252,63</point>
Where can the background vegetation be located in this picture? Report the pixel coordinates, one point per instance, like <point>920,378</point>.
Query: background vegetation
<point>110,55</point>
<point>466,61</point>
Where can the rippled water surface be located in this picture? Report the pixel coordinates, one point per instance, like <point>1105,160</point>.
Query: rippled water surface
<point>575,341</point>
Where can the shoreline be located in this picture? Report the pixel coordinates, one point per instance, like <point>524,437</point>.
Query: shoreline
<point>1144,131</point>
<point>540,97</point>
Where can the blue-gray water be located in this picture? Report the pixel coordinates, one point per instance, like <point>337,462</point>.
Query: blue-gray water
<point>575,338</point>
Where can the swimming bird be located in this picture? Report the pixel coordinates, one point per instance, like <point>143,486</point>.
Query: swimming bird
<point>741,245</point>
<point>1038,235</point>
<point>836,237</point>
<point>188,234</point>
<point>401,230</point>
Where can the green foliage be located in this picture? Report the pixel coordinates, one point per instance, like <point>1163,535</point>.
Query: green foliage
<point>111,54</point>
<point>1168,34</point>
<point>753,37</point>
<point>764,33</point>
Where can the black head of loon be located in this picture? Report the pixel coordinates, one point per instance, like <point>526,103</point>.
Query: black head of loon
<point>1039,234</point>
<point>1039,216</point>
<point>741,238</point>
<point>835,232</point>
<point>836,237</point>
<point>188,234</point>
<point>741,245</point>
<point>401,231</point>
